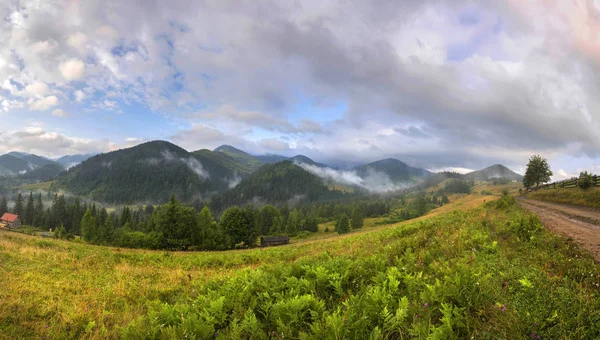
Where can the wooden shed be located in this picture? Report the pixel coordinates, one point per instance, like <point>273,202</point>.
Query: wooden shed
<point>11,221</point>
<point>267,241</point>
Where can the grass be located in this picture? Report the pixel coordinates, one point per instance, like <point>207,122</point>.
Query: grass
<point>487,271</point>
<point>575,196</point>
<point>43,186</point>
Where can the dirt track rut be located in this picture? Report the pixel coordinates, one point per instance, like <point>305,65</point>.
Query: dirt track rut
<point>580,223</point>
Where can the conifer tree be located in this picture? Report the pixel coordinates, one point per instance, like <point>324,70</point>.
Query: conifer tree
<point>342,225</point>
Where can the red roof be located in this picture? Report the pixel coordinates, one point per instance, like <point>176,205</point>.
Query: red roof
<point>10,218</point>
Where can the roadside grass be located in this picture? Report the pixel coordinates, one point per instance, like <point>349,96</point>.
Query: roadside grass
<point>488,272</point>
<point>575,196</point>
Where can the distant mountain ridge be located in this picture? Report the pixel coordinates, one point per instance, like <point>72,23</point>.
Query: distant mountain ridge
<point>396,170</point>
<point>494,171</point>
<point>149,172</point>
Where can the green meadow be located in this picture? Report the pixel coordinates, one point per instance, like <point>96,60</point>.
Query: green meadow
<point>492,271</point>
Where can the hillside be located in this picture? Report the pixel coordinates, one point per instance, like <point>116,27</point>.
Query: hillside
<point>306,160</point>
<point>245,159</point>
<point>396,170</point>
<point>275,184</point>
<point>149,172</point>
<point>225,160</point>
<point>72,160</point>
<point>36,160</point>
<point>494,171</point>
<point>11,165</point>
<point>487,272</point>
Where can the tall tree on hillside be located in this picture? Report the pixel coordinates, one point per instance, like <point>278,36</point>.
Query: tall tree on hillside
<point>29,210</point>
<point>38,220</point>
<point>176,223</point>
<point>267,220</point>
<point>294,223</point>
<point>357,218</point>
<point>89,230</point>
<point>18,208</point>
<point>342,225</point>
<point>3,206</point>
<point>538,172</point>
<point>236,226</point>
<point>210,236</point>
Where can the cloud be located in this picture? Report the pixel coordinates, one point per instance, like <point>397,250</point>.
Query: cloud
<point>44,103</point>
<point>437,85</point>
<point>73,69</point>
<point>78,41</point>
<point>373,181</point>
<point>274,144</point>
<point>60,113</point>
<point>36,89</point>
<point>230,114</point>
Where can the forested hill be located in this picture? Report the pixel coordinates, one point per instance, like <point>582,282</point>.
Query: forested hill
<point>396,170</point>
<point>277,183</point>
<point>149,172</point>
<point>494,171</point>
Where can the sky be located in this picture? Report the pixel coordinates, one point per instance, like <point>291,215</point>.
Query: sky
<point>441,85</point>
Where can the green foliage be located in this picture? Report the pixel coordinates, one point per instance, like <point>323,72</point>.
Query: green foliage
<point>575,196</point>
<point>456,186</point>
<point>586,180</point>
<point>486,273</point>
<point>177,223</point>
<point>342,225</point>
<point>235,225</point>
<point>357,218</point>
<point>538,172</point>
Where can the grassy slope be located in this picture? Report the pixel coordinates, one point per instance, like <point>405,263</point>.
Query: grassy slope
<point>576,196</point>
<point>466,265</point>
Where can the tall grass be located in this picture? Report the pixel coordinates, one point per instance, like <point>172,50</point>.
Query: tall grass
<point>576,196</point>
<point>489,272</point>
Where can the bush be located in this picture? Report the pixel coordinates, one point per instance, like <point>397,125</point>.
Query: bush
<point>585,180</point>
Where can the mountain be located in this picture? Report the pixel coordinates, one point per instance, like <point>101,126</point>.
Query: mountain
<point>37,161</point>
<point>42,174</point>
<point>270,158</point>
<point>72,160</point>
<point>277,183</point>
<point>225,160</point>
<point>244,158</point>
<point>306,160</point>
<point>148,172</point>
<point>11,165</point>
<point>494,171</point>
<point>396,170</point>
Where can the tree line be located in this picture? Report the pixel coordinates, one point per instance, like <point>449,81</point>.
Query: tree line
<point>176,226</point>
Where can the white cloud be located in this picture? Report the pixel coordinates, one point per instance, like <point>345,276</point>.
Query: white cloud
<point>79,95</point>
<point>78,41</point>
<point>73,69</point>
<point>274,144</point>
<point>60,113</point>
<point>37,89</point>
<point>44,103</point>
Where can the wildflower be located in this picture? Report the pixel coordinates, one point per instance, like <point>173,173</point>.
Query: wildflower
<point>426,305</point>
<point>538,337</point>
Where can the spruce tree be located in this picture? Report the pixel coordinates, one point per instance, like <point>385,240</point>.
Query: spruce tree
<point>88,227</point>
<point>29,210</point>
<point>357,218</point>
<point>3,206</point>
<point>342,225</point>
<point>18,208</point>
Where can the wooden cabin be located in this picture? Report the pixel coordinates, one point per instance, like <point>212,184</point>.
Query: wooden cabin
<point>267,241</point>
<point>10,221</point>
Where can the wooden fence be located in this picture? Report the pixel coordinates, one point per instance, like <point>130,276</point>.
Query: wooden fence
<point>570,183</point>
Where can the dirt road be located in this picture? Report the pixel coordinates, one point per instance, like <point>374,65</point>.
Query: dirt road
<point>580,223</point>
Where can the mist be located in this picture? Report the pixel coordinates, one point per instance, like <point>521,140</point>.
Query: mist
<point>374,181</point>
